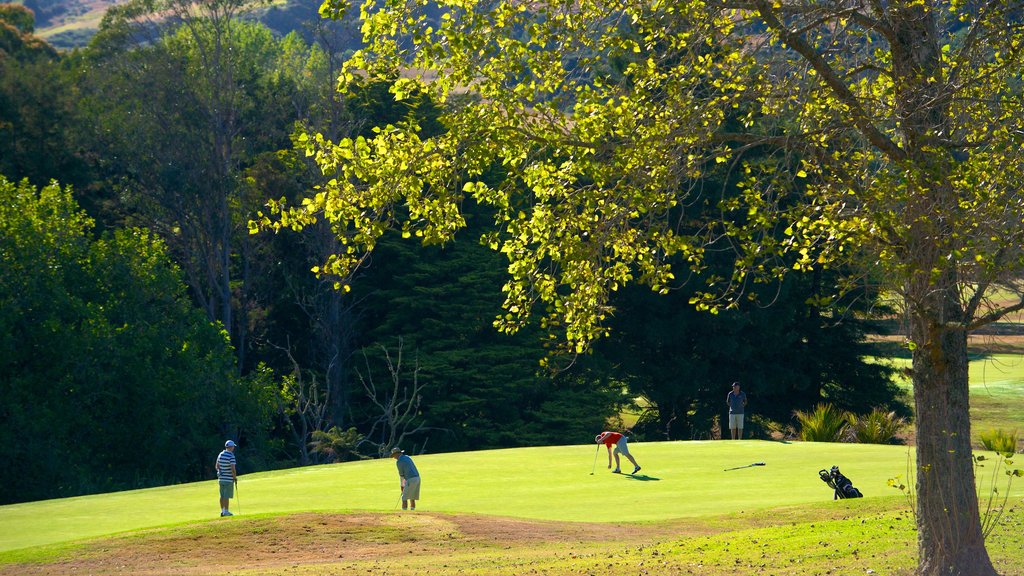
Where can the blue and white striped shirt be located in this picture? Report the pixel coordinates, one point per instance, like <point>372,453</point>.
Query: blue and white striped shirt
<point>224,462</point>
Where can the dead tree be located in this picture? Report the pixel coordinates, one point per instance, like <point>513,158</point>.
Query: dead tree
<point>398,404</point>
<point>303,406</point>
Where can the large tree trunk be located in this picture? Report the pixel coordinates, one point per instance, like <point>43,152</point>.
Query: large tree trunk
<point>950,540</point>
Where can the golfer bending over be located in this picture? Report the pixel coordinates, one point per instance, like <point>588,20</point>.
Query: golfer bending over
<point>227,476</point>
<point>410,478</point>
<point>610,438</point>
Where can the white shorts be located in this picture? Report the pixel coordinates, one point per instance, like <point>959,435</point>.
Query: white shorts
<point>735,421</point>
<point>412,489</point>
<point>621,448</point>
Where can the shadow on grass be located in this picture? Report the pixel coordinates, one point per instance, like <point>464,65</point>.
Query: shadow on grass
<point>641,477</point>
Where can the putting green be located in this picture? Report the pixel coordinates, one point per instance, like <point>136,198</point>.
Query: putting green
<point>679,479</point>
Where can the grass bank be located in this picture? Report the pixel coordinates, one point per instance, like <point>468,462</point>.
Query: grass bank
<point>519,511</point>
<point>678,480</point>
<point>997,392</point>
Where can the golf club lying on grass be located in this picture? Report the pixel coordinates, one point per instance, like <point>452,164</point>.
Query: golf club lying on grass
<point>747,466</point>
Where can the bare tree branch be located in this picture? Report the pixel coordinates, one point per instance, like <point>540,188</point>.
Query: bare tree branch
<point>398,406</point>
<point>860,118</point>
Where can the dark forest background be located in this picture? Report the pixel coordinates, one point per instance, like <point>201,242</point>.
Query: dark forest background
<point>141,324</point>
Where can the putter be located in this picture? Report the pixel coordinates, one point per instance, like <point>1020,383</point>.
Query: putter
<point>238,497</point>
<point>401,495</point>
<point>747,466</point>
<point>594,467</point>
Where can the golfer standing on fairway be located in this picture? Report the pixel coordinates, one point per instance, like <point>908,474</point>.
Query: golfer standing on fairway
<point>619,441</point>
<point>737,400</point>
<point>410,478</point>
<point>227,476</point>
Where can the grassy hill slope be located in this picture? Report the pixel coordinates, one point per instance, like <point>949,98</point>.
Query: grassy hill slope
<point>518,511</point>
<point>678,480</point>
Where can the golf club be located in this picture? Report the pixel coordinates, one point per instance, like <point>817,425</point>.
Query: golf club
<point>238,498</point>
<point>747,466</point>
<point>594,467</point>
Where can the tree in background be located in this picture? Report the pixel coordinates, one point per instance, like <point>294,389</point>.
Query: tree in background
<point>34,104</point>
<point>394,413</point>
<point>788,356</point>
<point>101,356</point>
<point>895,129</point>
<point>183,99</point>
<point>17,38</point>
<point>480,388</point>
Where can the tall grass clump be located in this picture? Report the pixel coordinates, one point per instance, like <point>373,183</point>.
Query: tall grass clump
<point>878,427</point>
<point>1000,441</point>
<point>825,423</point>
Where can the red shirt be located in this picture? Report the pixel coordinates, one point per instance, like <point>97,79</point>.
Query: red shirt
<point>610,438</point>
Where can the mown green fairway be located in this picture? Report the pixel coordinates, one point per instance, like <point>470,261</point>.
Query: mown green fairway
<point>518,511</point>
<point>679,479</point>
<point>997,392</point>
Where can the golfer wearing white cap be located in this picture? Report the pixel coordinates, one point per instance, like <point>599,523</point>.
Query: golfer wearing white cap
<point>610,439</point>
<point>410,478</point>
<point>227,476</point>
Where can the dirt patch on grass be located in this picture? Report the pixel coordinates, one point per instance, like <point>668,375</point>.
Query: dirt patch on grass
<point>402,543</point>
<point>288,542</point>
<point>843,537</point>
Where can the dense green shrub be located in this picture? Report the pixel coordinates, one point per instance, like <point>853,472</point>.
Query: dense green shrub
<point>103,357</point>
<point>878,427</point>
<point>825,423</point>
<point>999,440</point>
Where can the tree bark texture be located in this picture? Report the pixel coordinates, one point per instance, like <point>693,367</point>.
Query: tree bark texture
<point>950,540</point>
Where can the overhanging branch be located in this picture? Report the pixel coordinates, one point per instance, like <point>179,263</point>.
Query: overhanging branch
<point>832,80</point>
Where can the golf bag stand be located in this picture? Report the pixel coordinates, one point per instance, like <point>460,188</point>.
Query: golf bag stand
<point>840,484</point>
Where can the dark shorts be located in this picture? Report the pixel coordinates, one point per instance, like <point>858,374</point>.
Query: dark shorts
<point>227,490</point>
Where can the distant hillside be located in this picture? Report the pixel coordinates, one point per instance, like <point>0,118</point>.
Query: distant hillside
<point>68,24</point>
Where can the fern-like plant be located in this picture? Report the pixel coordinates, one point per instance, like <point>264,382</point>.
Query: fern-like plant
<point>878,427</point>
<point>336,444</point>
<point>825,423</point>
<point>1000,441</point>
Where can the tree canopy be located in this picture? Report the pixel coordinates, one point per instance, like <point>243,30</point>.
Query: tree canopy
<point>894,155</point>
<point>102,351</point>
<point>175,123</point>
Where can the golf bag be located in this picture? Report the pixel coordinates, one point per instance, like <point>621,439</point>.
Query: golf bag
<point>841,484</point>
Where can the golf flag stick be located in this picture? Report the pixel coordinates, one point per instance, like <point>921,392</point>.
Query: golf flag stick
<point>594,467</point>
<point>747,466</point>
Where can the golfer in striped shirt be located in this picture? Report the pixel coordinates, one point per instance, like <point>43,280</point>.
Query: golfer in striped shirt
<point>227,476</point>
